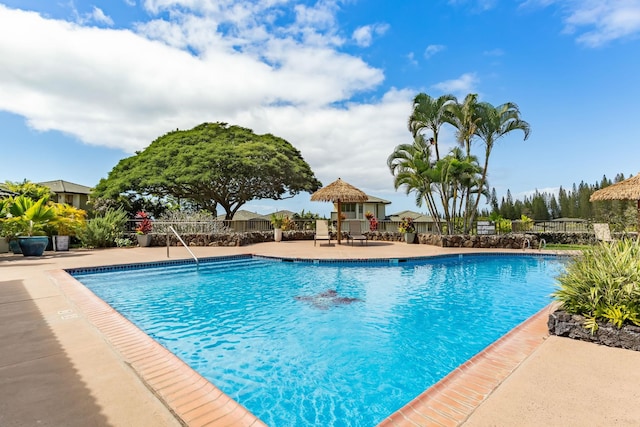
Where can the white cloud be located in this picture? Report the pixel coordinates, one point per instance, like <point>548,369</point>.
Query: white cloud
<point>363,36</point>
<point>493,52</point>
<point>475,5</point>
<point>96,16</point>
<point>432,49</point>
<point>461,86</point>
<point>412,58</point>
<point>596,22</point>
<point>118,88</point>
<point>130,2</point>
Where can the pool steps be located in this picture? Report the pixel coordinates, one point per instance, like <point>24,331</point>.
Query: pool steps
<point>224,265</point>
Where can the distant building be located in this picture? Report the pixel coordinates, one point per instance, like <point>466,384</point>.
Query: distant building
<point>423,223</point>
<point>5,192</point>
<point>67,192</point>
<point>375,205</point>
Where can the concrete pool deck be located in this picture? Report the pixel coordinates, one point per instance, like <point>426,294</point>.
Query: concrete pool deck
<point>60,366</point>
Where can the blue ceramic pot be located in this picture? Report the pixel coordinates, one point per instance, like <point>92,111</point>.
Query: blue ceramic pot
<point>33,245</point>
<point>14,246</point>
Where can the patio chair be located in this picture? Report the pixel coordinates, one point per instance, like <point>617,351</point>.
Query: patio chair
<point>355,232</point>
<point>603,232</point>
<point>322,231</point>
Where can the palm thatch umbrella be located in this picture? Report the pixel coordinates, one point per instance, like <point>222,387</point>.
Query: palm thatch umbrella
<point>629,189</point>
<point>339,192</point>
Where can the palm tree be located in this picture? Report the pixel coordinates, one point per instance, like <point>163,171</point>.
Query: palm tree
<point>459,176</point>
<point>494,123</point>
<point>413,169</point>
<point>430,113</point>
<point>465,118</point>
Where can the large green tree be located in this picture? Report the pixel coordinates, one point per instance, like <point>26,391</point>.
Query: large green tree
<point>212,164</point>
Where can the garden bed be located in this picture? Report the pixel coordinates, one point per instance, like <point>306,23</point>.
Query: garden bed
<point>568,325</point>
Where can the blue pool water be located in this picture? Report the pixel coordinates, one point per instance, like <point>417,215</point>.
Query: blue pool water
<point>328,344</point>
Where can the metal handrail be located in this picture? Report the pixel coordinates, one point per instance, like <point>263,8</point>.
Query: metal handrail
<point>181,241</point>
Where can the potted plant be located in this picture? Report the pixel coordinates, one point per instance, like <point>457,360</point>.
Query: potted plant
<point>29,219</point>
<point>143,229</point>
<point>69,220</point>
<point>408,228</point>
<point>277,221</point>
<point>373,221</point>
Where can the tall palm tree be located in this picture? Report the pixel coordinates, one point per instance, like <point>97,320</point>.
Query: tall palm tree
<point>494,123</point>
<point>429,113</point>
<point>412,168</point>
<point>465,118</point>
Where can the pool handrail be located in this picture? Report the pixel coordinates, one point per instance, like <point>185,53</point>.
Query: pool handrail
<point>181,241</point>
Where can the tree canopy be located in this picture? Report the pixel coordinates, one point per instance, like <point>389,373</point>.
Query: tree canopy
<point>212,164</point>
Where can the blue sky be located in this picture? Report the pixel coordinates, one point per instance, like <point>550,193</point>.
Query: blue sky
<point>84,84</point>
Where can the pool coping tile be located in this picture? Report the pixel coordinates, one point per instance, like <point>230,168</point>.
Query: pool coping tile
<point>466,387</point>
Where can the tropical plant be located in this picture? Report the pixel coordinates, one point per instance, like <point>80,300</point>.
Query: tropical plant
<point>413,168</point>
<point>277,220</point>
<point>492,124</point>
<point>456,181</point>
<point>102,231</point>
<point>4,211</point>
<point>30,190</point>
<point>144,224</point>
<point>373,223</point>
<point>69,219</point>
<point>603,284</point>
<point>406,225</point>
<point>30,217</point>
<point>430,114</point>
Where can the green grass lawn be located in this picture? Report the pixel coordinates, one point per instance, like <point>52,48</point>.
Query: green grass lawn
<point>559,247</point>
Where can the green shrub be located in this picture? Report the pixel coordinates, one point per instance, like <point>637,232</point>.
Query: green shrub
<point>603,284</point>
<point>102,231</point>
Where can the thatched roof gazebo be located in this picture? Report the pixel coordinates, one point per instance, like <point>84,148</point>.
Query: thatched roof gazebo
<point>339,192</point>
<point>629,189</point>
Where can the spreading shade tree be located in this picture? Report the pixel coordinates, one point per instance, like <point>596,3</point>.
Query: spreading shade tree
<point>212,165</point>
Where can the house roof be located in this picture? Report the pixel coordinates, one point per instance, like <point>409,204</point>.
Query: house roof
<point>374,199</point>
<point>5,192</point>
<point>242,215</point>
<point>283,212</point>
<point>416,216</point>
<point>60,186</point>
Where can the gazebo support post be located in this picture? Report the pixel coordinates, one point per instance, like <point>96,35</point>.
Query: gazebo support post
<point>339,222</point>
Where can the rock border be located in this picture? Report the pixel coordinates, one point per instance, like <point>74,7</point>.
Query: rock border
<point>563,324</point>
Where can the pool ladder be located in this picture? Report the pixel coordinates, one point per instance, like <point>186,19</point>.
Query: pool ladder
<point>183,244</point>
<point>542,245</point>
<point>526,244</point>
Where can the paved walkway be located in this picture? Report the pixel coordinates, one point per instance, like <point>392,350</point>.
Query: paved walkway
<point>58,369</point>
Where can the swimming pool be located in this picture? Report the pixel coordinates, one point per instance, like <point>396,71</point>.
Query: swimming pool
<point>328,343</point>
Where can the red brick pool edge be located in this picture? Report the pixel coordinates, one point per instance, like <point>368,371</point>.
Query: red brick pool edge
<point>453,399</point>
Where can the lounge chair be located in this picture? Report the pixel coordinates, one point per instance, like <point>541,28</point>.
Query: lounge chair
<point>322,231</point>
<point>603,232</point>
<point>355,232</point>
